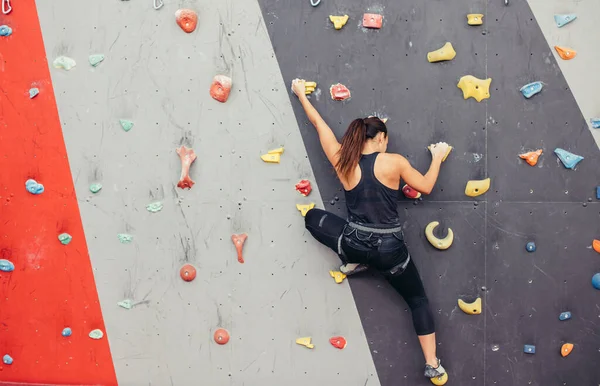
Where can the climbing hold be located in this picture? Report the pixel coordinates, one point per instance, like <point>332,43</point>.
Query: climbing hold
<point>221,336</point>
<point>187,157</point>
<point>441,380</point>
<point>126,124</point>
<point>596,281</point>
<point>220,88</point>
<point>65,238</point>
<point>472,87</point>
<point>309,87</point>
<point>126,303</point>
<point>531,89</point>
<point>187,272</point>
<point>66,332</point>
<point>470,308</point>
<point>239,240</point>
<point>5,30</point>
<point>562,20</point>
<point>529,349</point>
<point>95,187</point>
<point>158,4</point>
<point>530,246</point>
<point>442,244</point>
<point>338,21</point>
<point>6,266</point>
<point>273,156</point>
<point>34,187</point>
<point>372,20</point>
<point>476,188</point>
<point>64,62</point>
<point>337,276</point>
<point>96,59</point>
<point>596,245</point>
<point>598,192</point>
<point>154,207</point>
<point>186,19</point>
<point>339,92</point>
<point>314,3</point>
<point>566,349</point>
<point>305,208</point>
<point>568,159</point>
<point>595,123</point>
<point>475,19</point>
<point>306,342</point>
<point>33,92</point>
<point>445,53</point>
<point>447,151</point>
<point>303,187</point>
<point>7,359</point>
<point>96,334</point>
<point>564,315</point>
<point>338,342</point>
<point>410,192</point>
<point>531,157</point>
<point>565,53</point>
<point>125,238</point>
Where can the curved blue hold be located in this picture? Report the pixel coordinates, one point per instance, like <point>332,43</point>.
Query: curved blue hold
<point>529,349</point>
<point>595,123</point>
<point>568,159</point>
<point>562,20</point>
<point>5,30</point>
<point>6,266</point>
<point>530,246</point>
<point>596,281</point>
<point>564,315</point>
<point>7,359</point>
<point>66,332</point>
<point>531,89</point>
<point>34,187</point>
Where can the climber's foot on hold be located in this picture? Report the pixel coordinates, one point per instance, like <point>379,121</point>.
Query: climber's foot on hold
<point>352,269</point>
<point>434,371</point>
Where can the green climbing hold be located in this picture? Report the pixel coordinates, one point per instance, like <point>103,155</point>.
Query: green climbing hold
<point>64,62</point>
<point>95,188</point>
<point>125,124</point>
<point>65,238</point>
<point>125,238</point>
<point>154,207</point>
<point>127,304</point>
<point>96,59</point>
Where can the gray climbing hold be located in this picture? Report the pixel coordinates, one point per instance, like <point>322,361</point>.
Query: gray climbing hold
<point>564,315</point>
<point>66,332</point>
<point>127,304</point>
<point>530,246</point>
<point>34,187</point>
<point>64,62</point>
<point>562,20</point>
<point>125,124</point>
<point>95,187</point>
<point>96,334</point>
<point>33,92</point>
<point>529,349</point>
<point>96,59</point>
<point>5,30</point>
<point>595,123</point>
<point>7,359</point>
<point>65,238</point>
<point>125,238</point>
<point>531,89</point>
<point>568,159</point>
<point>596,281</point>
<point>6,266</point>
<point>154,207</point>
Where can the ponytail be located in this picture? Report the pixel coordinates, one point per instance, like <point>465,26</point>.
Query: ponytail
<point>353,142</point>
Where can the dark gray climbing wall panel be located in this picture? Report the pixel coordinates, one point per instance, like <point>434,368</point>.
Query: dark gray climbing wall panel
<point>389,76</point>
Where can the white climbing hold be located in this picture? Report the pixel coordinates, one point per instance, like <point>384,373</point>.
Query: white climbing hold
<point>96,59</point>
<point>96,334</point>
<point>64,62</point>
<point>126,303</point>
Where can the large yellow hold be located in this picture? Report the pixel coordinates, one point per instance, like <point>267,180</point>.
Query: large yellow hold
<point>442,244</point>
<point>441,380</point>
<point>470,308</point>
<point>447,151</point>
<point>476,188</point>
<point>306,342</point>
<point>476,88</point>
<point>305,208</point>
<point>273,156</point>
<point>475,19</point>
<point>338,21</point>
<point>445,53</point>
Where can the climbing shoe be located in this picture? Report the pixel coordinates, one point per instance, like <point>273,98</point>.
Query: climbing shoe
<point>432,372</point>
<point>352,269</point>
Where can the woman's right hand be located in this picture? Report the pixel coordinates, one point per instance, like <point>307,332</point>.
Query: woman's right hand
<point>438,150</point>
<point>298,87</point>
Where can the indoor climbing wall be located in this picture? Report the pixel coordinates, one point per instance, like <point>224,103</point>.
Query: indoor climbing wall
<point>113,182</point>
<point>523,293</point>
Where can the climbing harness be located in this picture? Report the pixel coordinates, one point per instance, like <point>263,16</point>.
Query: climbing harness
<point>159,3</point>
<point>314,3</point>
<point>6,8</point>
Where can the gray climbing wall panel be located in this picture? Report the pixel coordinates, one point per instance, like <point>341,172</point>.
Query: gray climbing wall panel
<point>159,77</point>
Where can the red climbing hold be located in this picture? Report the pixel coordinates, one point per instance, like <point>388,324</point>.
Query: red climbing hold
<point>220,88</point>
<point>410,192</point>
<point>188,272</point>
<point>532,157</point>
<point>238,241</point>
<point>596,245</point>
<point>187,157</point>
<point>372,20</point>
<point>339,92</point>
<point>221,336</point>
<point>186,19</point>
<point>338,342</point>
<point>303,187</point>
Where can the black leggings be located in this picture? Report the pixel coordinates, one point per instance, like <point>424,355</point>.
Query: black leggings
<point>384,252</point>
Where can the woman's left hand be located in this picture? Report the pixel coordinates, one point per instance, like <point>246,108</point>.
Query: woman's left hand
<point>298,87</point>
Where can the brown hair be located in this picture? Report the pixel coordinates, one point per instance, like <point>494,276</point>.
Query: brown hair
<point>357,134</point>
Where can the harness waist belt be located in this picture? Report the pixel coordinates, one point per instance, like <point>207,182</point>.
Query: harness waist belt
<point>375,230</point>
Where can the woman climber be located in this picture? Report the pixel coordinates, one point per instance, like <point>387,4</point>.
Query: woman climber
<point>372,235</point>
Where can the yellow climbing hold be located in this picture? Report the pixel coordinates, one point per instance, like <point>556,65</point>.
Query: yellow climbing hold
<point>306,342</point>
<point>338,21</point>
<point>445,53</point>
<point>279,150</point>
<point>337,276</point>
<point>310,87</point>
<point>305,208</point>
<point>475,19</point>
<point>470,308</point>
<point>442,244</point>
<point>472,87</point>
<point>476,188</point>
<point>273,156</point>
<point>441,380</point>
<point>447,151</point>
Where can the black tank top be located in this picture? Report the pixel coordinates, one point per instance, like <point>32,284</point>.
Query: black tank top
<point>371,202</point>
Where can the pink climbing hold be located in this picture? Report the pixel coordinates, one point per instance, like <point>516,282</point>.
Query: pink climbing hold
<point>410,192</point>
<point>187,157</point>
<point>339,92</point>
<point>220,88</point>
<point>303,187</point>
<point>372,20</point>
<point>187,19</point>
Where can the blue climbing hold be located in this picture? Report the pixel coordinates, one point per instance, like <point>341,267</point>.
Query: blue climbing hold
<point>529,349</point>
<point>66,332</point>
<point>595,123</point>
<point>33,92</point>
<point>531,89</point>
<point>568,159</point>
<point>34,187</point>
<point>7,359</point>
<point>564,315</point>
<point>562,20</point>
<point>530,246</point>
<point>6,266</point>
<point>5,30</point>
<point>598,192</point>
<point>596,281</point>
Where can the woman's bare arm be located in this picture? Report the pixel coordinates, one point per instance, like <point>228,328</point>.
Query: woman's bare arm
<point>418,181</point>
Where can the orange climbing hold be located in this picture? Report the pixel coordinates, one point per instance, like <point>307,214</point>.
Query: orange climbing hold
<point>220,88</point>
<point>372,20</point>
<point>187,157</point>
<point>566,349</point>
<point>565,53</point>
<point>531,157</point>
<point>238,241</point>
<point>188,272</point>
<point>186,19</point>
<point>596,245</point>
<point>221,336</point>
<point>338,342</point>
<point>303,187</point>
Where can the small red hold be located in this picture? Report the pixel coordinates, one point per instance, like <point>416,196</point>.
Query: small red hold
<point>531,157</point>
<point>338,342</point>
<point>221,336</point>
<point>339,92</point>
<point>410,192</point>
<point>238,241</point>
<point>303,187</point>
<point>372,20</point>
<point>220,88</point>
<point>188,272</point>
<point>187,157</point>
<point>187,19</point>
